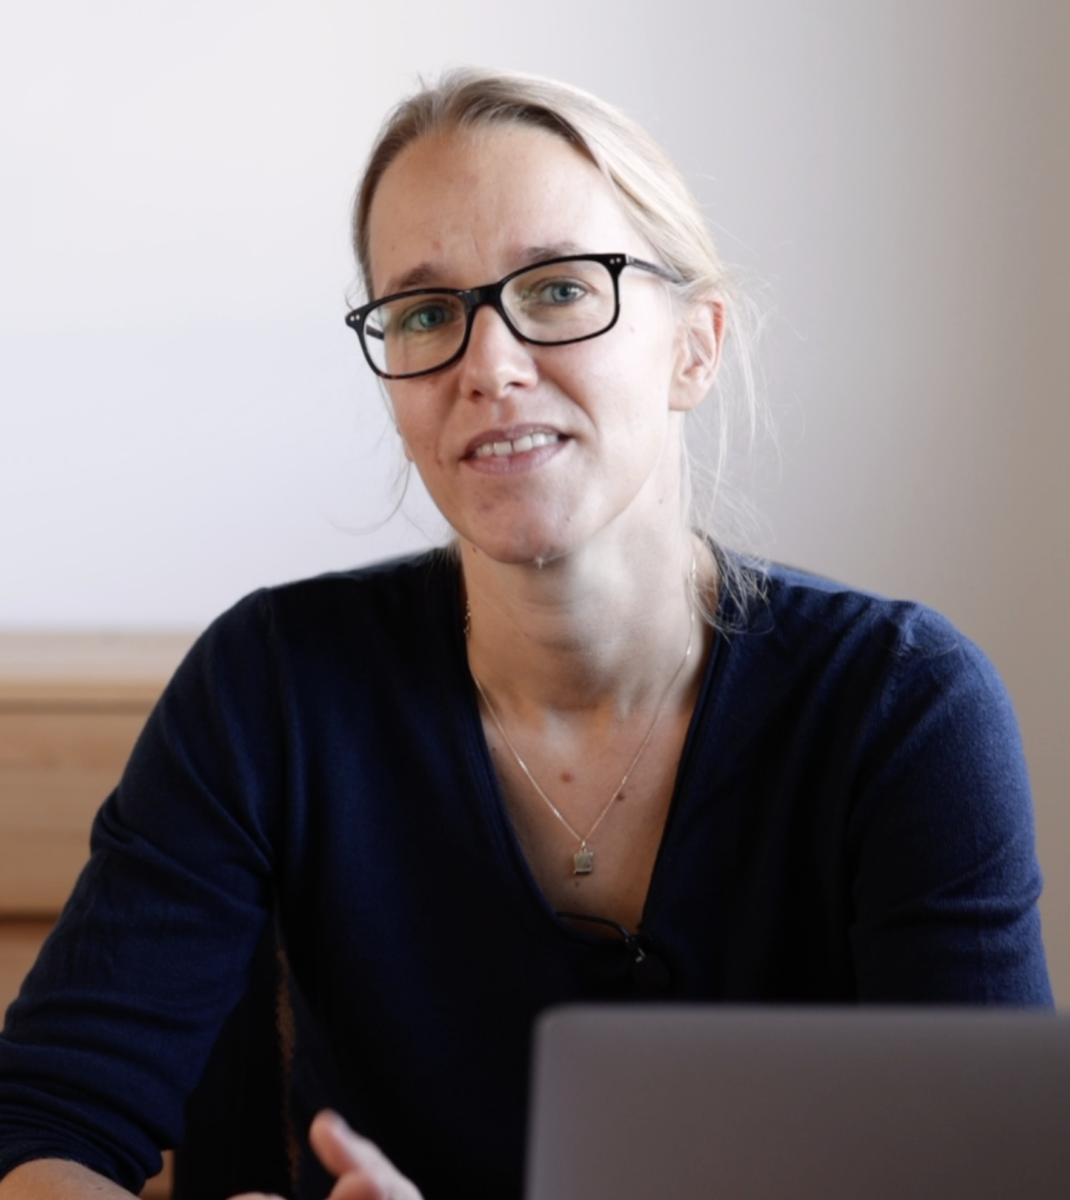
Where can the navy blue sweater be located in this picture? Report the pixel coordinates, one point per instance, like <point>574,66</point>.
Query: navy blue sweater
<point>851,823</point>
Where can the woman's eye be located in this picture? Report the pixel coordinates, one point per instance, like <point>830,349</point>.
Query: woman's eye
<point>424,318</point>
<point>561,291</point>
<point>551,293</point>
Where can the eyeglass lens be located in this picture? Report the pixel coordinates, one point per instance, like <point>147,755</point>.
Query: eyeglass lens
<point>552,302</point>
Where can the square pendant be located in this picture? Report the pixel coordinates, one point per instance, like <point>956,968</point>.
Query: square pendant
<point>583,862</point>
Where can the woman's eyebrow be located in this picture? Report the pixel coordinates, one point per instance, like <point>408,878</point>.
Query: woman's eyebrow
<point>426,274</point>
<point>422,275</point>
<point>536,254</point>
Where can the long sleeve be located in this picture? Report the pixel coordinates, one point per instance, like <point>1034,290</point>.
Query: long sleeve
<point>941,837</point>
<point>119,1014</point>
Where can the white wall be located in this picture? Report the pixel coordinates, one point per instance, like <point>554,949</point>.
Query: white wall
<point>183,415</point>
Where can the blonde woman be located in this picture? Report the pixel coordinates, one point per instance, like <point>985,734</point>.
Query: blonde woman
<point>585,752</point>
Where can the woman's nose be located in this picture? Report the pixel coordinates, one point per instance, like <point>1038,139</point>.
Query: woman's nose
<point>495,358</point>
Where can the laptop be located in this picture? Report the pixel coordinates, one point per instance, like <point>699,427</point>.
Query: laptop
<point>712,1103</point>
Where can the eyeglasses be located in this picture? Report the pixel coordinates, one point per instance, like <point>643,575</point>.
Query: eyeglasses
<point>564,300</point>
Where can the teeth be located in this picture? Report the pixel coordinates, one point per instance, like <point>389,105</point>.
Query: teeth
<point>503,449</point>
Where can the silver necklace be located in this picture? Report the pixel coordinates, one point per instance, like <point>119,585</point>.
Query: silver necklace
<point>583,859</point>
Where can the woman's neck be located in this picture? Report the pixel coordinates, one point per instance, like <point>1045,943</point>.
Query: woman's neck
<point>586,633</point>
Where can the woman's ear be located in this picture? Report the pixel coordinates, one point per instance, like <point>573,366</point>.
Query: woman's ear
<point>698,352</point>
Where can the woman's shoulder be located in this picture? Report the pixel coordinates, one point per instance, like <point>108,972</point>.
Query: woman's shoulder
<point>397,593</point>
<point>795,603</point>
<point>400,617</point>
<point>803,629</point>
<point>421,580</point>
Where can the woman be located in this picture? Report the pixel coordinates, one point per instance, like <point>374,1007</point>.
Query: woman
<point>590,754</point>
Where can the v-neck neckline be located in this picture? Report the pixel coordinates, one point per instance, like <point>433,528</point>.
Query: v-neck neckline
<point>499,824</point>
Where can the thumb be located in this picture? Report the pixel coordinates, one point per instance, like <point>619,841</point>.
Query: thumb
<point>345,1153</point>
<point>336,1145</point>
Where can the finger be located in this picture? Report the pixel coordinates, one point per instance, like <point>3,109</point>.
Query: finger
<point>339,1148</point>
<point>364,1171</point>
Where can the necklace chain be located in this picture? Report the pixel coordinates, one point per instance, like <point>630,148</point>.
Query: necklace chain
<point>583,859</point>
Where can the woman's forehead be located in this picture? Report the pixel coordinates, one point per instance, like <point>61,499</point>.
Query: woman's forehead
<point>485,200</point>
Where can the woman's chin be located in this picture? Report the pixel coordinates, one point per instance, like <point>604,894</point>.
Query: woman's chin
<point>510,551</point>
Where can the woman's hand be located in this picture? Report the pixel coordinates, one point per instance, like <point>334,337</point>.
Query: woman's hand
<point>363,1170</point>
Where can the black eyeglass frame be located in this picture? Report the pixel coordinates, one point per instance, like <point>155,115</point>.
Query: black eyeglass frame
<point>491,293</point>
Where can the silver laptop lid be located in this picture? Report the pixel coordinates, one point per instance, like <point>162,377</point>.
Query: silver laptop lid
<point>712,1103</point>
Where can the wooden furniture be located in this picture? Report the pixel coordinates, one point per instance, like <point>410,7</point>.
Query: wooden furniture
<point>71,707</point>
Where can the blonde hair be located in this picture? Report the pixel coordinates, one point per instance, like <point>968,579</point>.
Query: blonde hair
<point>654,197</point>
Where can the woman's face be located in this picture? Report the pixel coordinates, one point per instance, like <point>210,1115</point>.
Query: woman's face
<point>463,210</point>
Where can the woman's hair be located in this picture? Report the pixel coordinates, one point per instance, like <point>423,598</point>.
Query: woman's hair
<point>654,197</point>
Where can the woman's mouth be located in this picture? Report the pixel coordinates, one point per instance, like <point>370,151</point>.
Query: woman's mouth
<point>520,445</point>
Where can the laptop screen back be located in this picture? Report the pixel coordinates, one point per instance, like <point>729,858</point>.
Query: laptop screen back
<point>712,1103</point>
